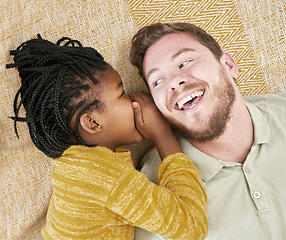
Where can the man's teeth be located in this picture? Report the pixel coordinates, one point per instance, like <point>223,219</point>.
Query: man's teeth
<point>189,98</point>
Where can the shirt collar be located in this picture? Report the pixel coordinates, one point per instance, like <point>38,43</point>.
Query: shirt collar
<point>209,166</point>
<point>260,124</point>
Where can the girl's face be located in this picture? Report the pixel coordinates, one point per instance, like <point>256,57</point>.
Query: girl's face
<point>117,118</point>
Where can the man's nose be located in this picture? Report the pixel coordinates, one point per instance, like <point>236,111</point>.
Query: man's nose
<point>176,83</point>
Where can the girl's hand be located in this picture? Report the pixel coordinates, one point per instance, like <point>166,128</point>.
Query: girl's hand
<point>148,119</point>
<point>152,125</point>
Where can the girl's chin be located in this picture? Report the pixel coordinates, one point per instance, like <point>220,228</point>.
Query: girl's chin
<point>140,138</point>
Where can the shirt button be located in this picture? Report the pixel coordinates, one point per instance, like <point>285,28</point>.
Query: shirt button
<point>256,194</point>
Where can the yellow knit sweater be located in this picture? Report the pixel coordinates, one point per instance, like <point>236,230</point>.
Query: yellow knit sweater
<point>98,194</point>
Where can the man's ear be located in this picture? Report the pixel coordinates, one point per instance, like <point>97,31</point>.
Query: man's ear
<point>89,123</point>
<point>230,64</point>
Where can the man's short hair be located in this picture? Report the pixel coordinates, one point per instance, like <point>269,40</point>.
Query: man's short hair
<point>148,35</point>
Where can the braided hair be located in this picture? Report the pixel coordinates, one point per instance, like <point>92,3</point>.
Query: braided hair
<point>57,82</point>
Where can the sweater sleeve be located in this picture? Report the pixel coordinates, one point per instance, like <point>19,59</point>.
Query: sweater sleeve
<point>175,208</point>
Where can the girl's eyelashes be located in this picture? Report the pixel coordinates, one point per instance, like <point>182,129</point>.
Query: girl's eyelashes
<point>184,63</point>
<point>123,93</point>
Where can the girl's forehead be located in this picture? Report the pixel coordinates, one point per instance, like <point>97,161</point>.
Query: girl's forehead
<point>111,76</point>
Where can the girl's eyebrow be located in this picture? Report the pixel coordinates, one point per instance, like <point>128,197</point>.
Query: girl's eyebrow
<point>119,85</point>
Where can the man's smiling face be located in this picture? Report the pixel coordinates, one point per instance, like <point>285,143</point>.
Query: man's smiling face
<point>193,89</point>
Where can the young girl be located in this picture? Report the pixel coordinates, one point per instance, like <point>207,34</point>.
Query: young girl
<point>78,114</point>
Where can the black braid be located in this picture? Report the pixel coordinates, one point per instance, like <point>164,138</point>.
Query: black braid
<point>57,82</point>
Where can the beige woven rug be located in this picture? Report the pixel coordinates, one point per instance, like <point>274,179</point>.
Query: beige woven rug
<point>253,32</point>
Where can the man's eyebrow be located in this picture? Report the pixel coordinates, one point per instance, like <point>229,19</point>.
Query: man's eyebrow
<point>150,72</point>
<point>183,50</point>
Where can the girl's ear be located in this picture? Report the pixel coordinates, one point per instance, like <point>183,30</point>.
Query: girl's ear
<point>231,65</point>
<point>89,123</point>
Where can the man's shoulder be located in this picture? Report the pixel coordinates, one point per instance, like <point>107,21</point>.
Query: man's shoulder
<point>272,106</point>
<point>266,98</point>
<point>150,163</point>
<point>268,102</point>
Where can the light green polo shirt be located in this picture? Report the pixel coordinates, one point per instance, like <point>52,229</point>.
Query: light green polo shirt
<point>245,201</point>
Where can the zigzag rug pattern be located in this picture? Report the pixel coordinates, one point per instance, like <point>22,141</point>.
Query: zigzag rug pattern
<point>217,17</point>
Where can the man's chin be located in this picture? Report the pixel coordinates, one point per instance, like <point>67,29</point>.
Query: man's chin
<point>198,137</point>
<point>203,135</point>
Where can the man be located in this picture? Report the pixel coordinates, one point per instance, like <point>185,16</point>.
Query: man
<point>237,144</point>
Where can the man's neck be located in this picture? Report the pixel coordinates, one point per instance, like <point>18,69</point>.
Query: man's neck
<point>235,143</point>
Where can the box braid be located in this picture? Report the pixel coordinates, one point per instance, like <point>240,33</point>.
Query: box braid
<point>56,83</point>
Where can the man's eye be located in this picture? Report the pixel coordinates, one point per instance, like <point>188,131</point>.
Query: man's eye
<point>157,82</point>
<point>184,63</point>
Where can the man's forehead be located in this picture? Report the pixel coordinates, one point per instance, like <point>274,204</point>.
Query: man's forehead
<point>173,44</point>
<point>179,41</point>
